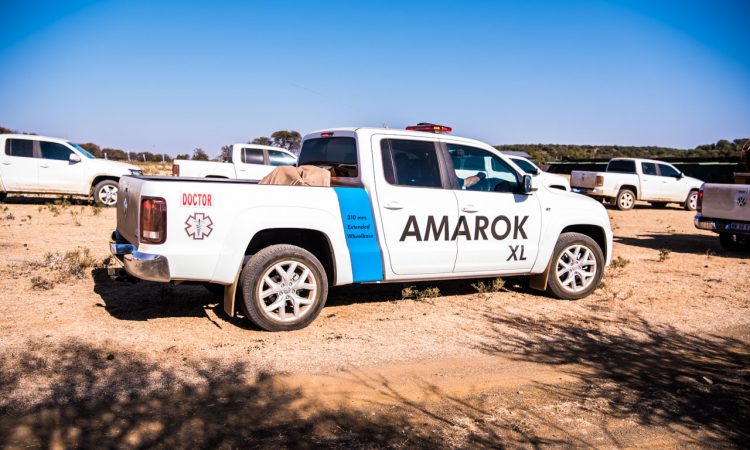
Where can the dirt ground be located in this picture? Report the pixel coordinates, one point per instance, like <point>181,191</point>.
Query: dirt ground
<point>658,357</point>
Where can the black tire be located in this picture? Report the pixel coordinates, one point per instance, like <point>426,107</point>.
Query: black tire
<point>263,265</point>
<point>659,204</point>
<point>691,203</point>
<point>3,195</point>
<point>734,242</point>
<point>105,193</point>
<point>567,241</point>
<point>216,289</point>
<point>625,200</point>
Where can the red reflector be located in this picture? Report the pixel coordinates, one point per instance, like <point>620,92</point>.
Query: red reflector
<point>175,170</point>
<point>153,220</point>
<point>326,134</point>
<point>599,180</point>
<point>699,206</point>
<point>430,128</point>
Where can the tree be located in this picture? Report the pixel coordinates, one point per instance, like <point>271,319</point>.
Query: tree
<point>199,155</point>
<point>182,156</point>
<point>226,153</point>
<point>93,149</point>
<point>289,140</point>
<point>261,141</point>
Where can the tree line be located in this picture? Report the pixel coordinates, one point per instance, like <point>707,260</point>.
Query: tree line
<point>291,140</point>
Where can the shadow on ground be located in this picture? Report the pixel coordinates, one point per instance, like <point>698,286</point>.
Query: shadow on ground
<point>45,200</point>
<point>81,396</point>
<point>697,244</point>
<point>692,385</point>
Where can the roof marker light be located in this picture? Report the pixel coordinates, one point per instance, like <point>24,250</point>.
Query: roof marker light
<point>430,128</point>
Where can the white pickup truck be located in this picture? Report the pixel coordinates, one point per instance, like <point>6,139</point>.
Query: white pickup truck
<point>725,209</point>
<point>43,165</point>
<point>397,211</point>
<point>629,179</point>
<point>245,162</point>
<point>551,180</point>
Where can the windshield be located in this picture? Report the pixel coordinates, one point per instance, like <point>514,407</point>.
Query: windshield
<point>83,151</point>
<point>525,165</point>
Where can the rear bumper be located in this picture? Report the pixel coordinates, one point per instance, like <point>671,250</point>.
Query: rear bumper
<point>145,266</point>
<point>594,192</point>
<point>722,225</point>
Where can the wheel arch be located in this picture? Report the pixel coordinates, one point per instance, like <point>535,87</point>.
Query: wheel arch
<point>629,187</point>
<point>98,179</point>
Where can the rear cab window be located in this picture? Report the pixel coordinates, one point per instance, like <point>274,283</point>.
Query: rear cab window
<point>621,166</point>
<point>339,153</point>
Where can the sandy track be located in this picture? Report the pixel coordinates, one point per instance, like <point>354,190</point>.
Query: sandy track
<point>658,357</point>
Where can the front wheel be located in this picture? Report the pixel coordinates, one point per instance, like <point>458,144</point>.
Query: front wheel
<point>105,193</point>
<point>691,204</point>
<point>625,200</point>
<point>577,267</point>
<point>284,288</point>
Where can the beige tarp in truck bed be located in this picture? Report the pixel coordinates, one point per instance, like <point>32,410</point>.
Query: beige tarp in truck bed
<point>298,176</point>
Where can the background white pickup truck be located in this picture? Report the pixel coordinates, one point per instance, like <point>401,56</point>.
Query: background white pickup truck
<point>398,210</point>
<point>725,209</point>
<point>629,179</point>
<point>44,165</point>
<point>550,180</point>
<point>246,162</point>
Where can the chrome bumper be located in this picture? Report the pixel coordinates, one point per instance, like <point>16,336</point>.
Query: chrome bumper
<point>721,226</point>
<point>145,266</point>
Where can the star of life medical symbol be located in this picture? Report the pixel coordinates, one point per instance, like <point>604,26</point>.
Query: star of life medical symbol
<point>199,226</point>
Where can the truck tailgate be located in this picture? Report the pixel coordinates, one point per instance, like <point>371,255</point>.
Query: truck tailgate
<point>128,209</point>
<point>583,179</point>
<point>726,201</point>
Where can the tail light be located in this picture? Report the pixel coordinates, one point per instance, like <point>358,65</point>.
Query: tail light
<point>699,205</point>
<point>153,220</point>
<point>175,170</point>
<point>599,180</point>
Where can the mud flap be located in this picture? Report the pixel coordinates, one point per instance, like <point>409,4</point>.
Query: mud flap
<point>230,294</point>
<point>539,281</point>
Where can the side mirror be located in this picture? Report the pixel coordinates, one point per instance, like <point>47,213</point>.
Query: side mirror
<point>529,184</point>
<point>681,175</point>
<point>74,158</point>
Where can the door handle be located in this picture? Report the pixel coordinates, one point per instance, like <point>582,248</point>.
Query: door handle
<point>6,163</point>
<point>469,209</point>
<point>43,165</point>
<point>393,205</point>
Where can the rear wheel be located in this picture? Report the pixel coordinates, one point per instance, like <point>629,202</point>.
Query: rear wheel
<point>625,200</point>
<point>733,242</point>
<point>105,193</point>
<point>577,267</point>
<point>284,288</point>
<point>691,204</point>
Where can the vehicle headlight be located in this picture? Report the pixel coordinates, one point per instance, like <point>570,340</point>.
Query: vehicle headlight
<point>135,171</point>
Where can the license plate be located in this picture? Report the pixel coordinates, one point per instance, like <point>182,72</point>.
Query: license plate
<point>737,226</point>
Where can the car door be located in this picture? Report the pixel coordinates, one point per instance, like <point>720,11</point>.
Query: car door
<point>652,185</point>
<point>19,165</point>
<point>252,165</point>
<point>417,210</point>
<point>57,173</point>
<point>675,189</point>
<point>498,228</point>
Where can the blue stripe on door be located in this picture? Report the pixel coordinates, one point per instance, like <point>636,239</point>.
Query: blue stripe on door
<point>361,236</point>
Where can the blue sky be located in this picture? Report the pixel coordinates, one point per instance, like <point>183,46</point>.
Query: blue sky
<point>172,76</point>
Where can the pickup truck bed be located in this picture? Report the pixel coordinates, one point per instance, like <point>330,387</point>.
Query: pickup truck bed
<point>725,209</point>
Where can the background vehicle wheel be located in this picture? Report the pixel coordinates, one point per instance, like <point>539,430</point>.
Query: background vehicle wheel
<point>216,289</point>
<point>284,288</point>
<point>105,193</point>
<point>691,204</point>
<point>577,267</point>
<point>625,200</point>
<point>659,204</point>
<point>3,195</point>
<point>733,242</point>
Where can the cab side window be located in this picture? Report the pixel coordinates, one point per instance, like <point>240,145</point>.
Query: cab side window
<point>252,156</point>
<point>53,150</point>
<point>648,168</point>
<point>23,148</point>
<point>276,158</point>
<point>411,163</point>
<point>668,171</point>
<point>480,170</point>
